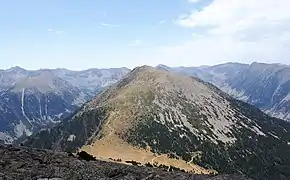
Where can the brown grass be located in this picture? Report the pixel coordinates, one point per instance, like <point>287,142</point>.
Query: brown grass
<point>113,147</point>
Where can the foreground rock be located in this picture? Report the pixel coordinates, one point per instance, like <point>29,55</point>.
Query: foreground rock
<point>23,163</point>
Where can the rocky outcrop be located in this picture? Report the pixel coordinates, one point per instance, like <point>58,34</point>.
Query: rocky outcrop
<point>18,163</point>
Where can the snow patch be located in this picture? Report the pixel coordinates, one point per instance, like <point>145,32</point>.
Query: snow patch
<point>20,130</point>
<point>22,106</point>
<point>40,110</point>
<point>46,108</point>
<point>71,138</point>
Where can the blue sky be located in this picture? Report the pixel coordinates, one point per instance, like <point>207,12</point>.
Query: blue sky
<point>111,33</point>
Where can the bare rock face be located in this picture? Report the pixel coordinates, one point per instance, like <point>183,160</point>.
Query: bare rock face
<point>266,86</point>
<point>36,102</point>
<point>31,100</point>
<point>23,163</point>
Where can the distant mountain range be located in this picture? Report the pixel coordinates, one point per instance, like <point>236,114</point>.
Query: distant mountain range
<point>266,86</point>
<point>92,80</point>
<point>33,100</point>
<point>164,118</point>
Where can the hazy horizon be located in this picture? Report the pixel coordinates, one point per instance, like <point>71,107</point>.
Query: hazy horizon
<point>137,66</point>
<point>108,33</point>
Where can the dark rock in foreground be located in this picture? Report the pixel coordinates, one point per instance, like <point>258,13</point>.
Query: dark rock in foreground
<point>23,163</point>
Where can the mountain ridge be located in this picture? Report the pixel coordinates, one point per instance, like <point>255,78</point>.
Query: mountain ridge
<point>159,116</point>
<point>36,102</point>
<point>265,86</point>
<point>39,99</point>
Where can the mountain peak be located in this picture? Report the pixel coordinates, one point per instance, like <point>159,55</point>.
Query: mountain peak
<point>15,69</point>
<point>45,81</point>
<point>162,66</point>
<point>143,68</point>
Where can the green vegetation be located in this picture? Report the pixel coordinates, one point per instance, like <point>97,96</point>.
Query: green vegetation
<point>254,155</point>
<point>82,127</point>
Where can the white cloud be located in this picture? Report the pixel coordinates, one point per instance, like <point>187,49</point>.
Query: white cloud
<point>236,30</point>
<point>162,22</point>
<point>202,50</point>
<point>238,14</point>
<point>49,30</point>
